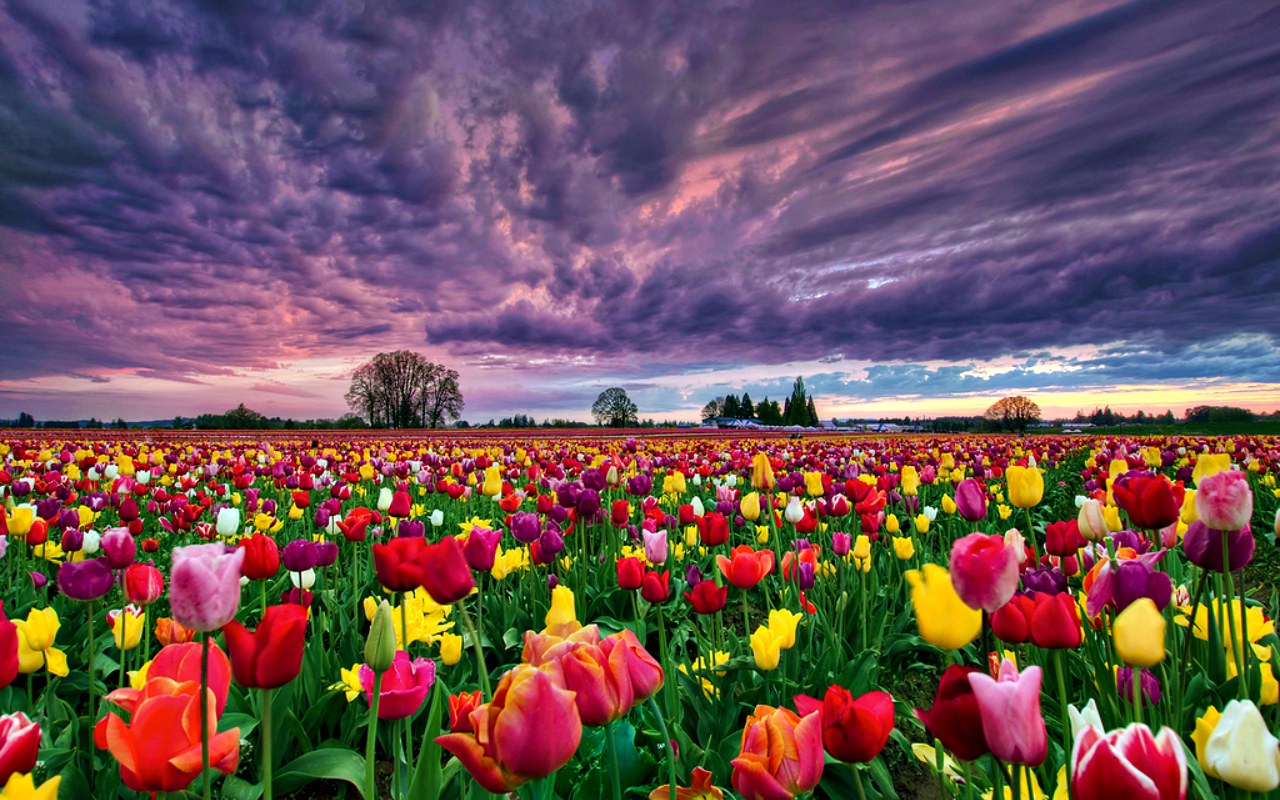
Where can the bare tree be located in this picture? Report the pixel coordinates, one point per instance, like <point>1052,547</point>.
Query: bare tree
<point>402,389</point>
<point>1014,413</point>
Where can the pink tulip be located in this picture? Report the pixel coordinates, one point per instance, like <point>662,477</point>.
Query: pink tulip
<point>971,501</point>
<point>984,571</point>
<point>1224,500</point>
<point>655,547</point>
<point>1129,763</point>
<point>204,585</point>
<point>404,686</point>
<point>1010,711</point>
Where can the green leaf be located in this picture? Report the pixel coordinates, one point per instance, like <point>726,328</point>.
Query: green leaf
<point>330,764</point>
<point>427,776</point>
<point>234,788</point>
<point>245,722</point>
<point>73,784</point>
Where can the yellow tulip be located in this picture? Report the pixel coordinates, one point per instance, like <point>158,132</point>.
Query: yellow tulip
<point>1210,464</point>
<point>813,484</point>
<point>367,472</point>
<point>295,513</point>
<point>1204,729</point>
<point>766,647</point>
<point>492,482</point>
<point>127,626</point>
<point>762,473</point>
<point>450,649</point>
<point>1111,515</point>
<point>23,787</point>
<point>750,506</point>
<point>21,520</point>
<point>1139,634</point>
<point>909,482</point>
<point>784,623</point>
<point>35,643</point>
<point>904,547</point>
<point>943,618</point>
<point>922,523</point>
<point>562,619</point>
<point>948,505</point>
<point>86,516</point>
<point>1005,511</point>
<point>1026,486</point>
<point>1187,514</point>
<point>891,524</point>
<point>957,474</point>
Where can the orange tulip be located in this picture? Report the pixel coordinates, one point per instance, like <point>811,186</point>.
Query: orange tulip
<point>159,749</point>
<point>746,567</point>
<point>781,755</point>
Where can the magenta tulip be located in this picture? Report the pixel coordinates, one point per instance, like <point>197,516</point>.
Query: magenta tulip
<point>85,580</point>
<point>984,571</point>
<point>404,686</point>
<point>204,585</point>
<point>971,501</point>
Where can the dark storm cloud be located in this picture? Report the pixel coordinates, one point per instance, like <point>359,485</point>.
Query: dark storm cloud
<point>191,189</point>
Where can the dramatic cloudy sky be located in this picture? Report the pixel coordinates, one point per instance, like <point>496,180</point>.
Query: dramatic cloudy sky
<point>920,206</point>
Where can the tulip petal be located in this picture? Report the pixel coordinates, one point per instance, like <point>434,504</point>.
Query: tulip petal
<point>477,762</point>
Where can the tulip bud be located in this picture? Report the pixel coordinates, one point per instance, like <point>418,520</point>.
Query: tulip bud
<point>380,647</point>
<point>1093,525</point>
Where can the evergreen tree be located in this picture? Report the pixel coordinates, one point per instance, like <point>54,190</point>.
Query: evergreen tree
<point>798,405</point>
<point>746,409</point>
<point>25,420</point>
<point>786,412</point>
<point>731,406</point>
<point>813,415</point>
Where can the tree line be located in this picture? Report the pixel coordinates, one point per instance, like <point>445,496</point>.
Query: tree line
<point>797,409</point>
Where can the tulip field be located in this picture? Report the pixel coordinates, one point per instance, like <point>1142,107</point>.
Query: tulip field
<point>695,616</point>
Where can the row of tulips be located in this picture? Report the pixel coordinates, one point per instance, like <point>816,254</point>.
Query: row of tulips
<point>984,562</point>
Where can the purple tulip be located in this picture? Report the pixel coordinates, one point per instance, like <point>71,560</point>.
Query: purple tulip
<point>119,548</point>
<point>1203,546</point>
<point>552,581</point>
<point>411,527</point>
<point>204,585</point>
<point>1049,580</point>
<point>525,527</point>
<point>326,554</point>
<point>1131,540</point>
<point>321,517</point>
<point>639,485</point>
<point>693,575</point>
<point>551,542</point>
<point>73,540</point>
<point>971,501</point>
<point>481,548</point>
<point>85,580</point>
<point>68,519</point>
<point>805,576</point>
<point>299,555</point>
<point>593,479</point>
<point>1132,579</point>
<point>39,580</point>
<point>588,504</point>
<point>1150,686</point>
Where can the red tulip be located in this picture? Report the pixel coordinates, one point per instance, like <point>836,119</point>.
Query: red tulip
<point>706,597</point>
<point>853,731</point>
<point>954,717</point>
<point>620,513</point>
<point>1151,501</point>
<point>1012,623</point>
<point>355,527</point>
<point>181,662</point>
<point>397,563</point>
<point>143,584</point>
<point>713,529</point>
<point>460,707</point>
<point>271,656</point>
<point>1129,763</point>
<point>401,507</point>
<point>630,573</point>
<point>529,730</point>
<point>747,566</point>
<point>19,745</point>
<point>781,755</point>
<point>1055,622</point>
<point>404,686</point>
<point>1063,539</point>
<point>657,587</point>
<point>601,683</point>
<point>445,573</point>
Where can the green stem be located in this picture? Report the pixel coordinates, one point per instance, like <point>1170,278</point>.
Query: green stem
<point>266,744</point>
<point>204,717</point>
<point>857,781</point>
<point>746,622</point>
<point>475,641</point>
<point>666,741</point>
<point>1061,668</point>
<point>1135,677</point>
<point>262,593</point>
<point>666,665</point>
<point>1229,594</point>
<point>93,696</point>
<point>613,762</point>
<point>371,740</point>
